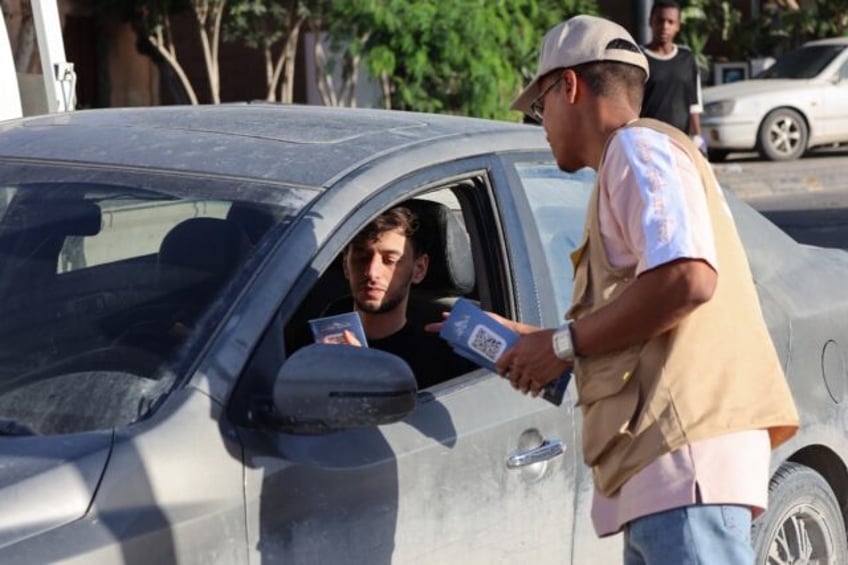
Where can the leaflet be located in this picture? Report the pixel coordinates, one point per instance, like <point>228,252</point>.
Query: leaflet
<point>330,329</point>
<point>481,339</point>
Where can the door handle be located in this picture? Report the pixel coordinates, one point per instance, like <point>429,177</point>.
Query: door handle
<point>549,449</point>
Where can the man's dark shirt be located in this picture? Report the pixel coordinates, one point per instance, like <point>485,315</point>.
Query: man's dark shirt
<point>672,88</point>
<point>430,357</point>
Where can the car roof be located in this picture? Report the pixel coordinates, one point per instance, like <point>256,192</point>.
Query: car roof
<point>829,41</point>
<point>307,146</point>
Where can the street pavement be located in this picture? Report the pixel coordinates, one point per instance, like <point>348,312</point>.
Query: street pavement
<point>807,198</point>
<point>821,175</point>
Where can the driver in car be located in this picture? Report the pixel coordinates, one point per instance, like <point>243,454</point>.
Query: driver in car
<point>381,264</point>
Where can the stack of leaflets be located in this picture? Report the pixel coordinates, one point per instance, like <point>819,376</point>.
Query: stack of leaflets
<point>480,338</point>
<point>330,329</point>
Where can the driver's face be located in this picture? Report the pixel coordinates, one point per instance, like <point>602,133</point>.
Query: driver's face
<point>381,272</point>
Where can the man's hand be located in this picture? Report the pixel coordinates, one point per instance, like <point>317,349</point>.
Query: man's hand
<point>531,363</point>
<point>700,143</point>
<point>347,337</point>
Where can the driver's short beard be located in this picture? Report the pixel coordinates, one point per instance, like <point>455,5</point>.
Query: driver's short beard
<point>387,305</point>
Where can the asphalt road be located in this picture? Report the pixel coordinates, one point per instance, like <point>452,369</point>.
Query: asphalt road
<point>808,198</point>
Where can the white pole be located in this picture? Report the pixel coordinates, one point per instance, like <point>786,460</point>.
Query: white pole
<point>59,77</point>
<point>10,96</point>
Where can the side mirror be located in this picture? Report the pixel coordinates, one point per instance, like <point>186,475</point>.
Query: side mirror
<point>325,388</point>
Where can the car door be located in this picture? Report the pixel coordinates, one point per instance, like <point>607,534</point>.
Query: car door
<point>834,122</point>
<point>473,475</point>
<point>552,205</point>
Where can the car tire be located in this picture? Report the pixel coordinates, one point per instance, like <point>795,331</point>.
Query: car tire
<point>783,135</point>
<point>803,524</point>
<point>717,155</point>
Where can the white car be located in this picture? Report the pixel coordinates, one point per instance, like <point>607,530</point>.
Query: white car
<point>799,102</point>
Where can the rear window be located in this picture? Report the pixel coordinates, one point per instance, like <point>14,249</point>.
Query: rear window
<point>806,62</point>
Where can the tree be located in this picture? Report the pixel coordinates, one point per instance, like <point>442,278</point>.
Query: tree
<point>792,25</point>
<point>152,22</point>
<point>467,57</point>
<point>704,20</point>
<point>274,28</point>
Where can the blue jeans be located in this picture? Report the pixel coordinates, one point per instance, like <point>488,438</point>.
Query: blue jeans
<point>691,535</point>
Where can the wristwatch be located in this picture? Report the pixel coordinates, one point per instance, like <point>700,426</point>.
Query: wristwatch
<point>563,344</point>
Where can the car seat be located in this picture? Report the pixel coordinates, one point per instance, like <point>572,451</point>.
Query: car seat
<point>451,270</point>
<point>196,257</point>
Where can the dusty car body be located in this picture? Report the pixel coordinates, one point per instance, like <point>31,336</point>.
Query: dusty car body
<point>798,103</point>
<point>161,400</point>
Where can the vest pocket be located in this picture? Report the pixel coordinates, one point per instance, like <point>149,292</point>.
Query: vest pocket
<point>601,376</point>
<point>609,397</point>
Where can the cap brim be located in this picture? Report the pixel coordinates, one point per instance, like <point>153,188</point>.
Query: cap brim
<point>530,92</point>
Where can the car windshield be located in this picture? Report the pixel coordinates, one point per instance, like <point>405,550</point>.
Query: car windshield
<point>101,285</point>
<point>806,62</point>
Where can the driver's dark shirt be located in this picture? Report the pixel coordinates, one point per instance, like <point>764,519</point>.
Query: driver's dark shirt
<point>430,357</point>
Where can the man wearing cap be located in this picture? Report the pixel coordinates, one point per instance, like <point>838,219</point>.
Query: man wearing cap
<point>680,387</point>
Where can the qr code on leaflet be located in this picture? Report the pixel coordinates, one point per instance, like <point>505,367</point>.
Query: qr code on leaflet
<point>486,343</point>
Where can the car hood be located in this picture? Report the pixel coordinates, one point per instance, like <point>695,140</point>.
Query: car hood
<point>48,481</point>
<point>755,87</point>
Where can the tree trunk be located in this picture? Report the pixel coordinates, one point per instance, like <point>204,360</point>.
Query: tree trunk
<point>210,39</point>
<point>284,66</point>
<point>326,88</point>
<point>165,47</point>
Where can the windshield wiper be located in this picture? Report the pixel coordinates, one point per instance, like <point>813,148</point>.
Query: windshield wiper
<point>13,428</point>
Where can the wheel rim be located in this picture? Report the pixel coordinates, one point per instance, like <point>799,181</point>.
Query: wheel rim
<point>803,538</point>
<point>784,135</point>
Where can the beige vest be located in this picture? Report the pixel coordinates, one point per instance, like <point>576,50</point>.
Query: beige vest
<point>715,373</point>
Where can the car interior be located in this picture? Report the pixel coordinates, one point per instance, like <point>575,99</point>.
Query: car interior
<point>82,317</point>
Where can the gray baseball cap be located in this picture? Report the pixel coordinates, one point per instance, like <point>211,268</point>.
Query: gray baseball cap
<point>578,40</point>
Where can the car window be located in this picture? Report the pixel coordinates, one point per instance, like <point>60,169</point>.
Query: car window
<point>558,201</point>
<point>100,286</point>
<point>450,274</point>
<point>806,62</point>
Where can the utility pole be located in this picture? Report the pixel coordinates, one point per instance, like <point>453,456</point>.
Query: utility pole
<point>643,16</point>
<point>59,77</point>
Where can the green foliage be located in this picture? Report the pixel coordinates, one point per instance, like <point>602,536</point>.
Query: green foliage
<point>468,57</point>
<point>260,23</point>
<point>706,20</point>
<point>777,29</point>
<point>780,29</point>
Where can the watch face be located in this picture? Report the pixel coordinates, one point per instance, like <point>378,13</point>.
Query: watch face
<point>562,344</point>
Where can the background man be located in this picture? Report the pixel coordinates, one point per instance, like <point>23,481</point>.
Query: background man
<point>681,390</point>
<point>673,90</point>
<point>381,264</point>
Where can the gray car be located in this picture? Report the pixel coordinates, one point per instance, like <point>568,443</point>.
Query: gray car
<point>162,400</point>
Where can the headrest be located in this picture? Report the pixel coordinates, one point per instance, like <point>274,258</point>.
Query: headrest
<point>446,242</point>
<point>211,245</point>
